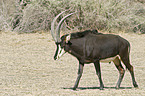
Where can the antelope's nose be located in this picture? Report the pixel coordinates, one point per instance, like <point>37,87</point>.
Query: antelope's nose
<point>55,57</point>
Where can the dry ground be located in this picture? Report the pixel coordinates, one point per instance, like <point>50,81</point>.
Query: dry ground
<point>27,68</point>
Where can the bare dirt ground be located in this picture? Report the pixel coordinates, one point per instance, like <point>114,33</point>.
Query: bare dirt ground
<point>27,68</point>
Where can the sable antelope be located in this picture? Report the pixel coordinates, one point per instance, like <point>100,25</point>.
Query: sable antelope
<point>92,47</point>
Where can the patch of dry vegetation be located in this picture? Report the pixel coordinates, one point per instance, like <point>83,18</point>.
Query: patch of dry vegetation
<point>108,15</point>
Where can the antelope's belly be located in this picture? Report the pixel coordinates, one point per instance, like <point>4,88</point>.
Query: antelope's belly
<point>109,59</point>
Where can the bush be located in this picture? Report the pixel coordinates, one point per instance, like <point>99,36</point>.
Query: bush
<point>108,15</point>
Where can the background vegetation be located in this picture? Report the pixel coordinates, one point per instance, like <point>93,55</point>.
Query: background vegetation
<point>108,15</point>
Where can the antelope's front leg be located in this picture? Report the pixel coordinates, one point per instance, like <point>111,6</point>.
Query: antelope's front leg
<point>80,71</point>
<point>98,72</point>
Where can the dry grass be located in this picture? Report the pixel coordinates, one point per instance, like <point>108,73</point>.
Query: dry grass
<point>27,68</point>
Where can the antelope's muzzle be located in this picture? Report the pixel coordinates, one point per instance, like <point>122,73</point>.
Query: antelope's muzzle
<point>59,52</point>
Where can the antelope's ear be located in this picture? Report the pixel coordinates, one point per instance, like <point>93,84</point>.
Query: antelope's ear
<point>68,38</point>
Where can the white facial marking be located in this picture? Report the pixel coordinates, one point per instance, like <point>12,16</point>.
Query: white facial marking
<point>60,52</point>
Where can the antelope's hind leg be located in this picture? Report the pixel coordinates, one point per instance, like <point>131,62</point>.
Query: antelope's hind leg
<point>121,70</point>
<point>126,62</point>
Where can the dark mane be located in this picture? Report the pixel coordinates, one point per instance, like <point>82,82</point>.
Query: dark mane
<point>83,33</point>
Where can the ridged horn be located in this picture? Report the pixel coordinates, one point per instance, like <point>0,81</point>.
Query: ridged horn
<point>53,32</point>
<point>59,25</point>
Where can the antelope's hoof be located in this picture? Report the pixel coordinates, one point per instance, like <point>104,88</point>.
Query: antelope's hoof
<point>135,85</point>
<point>101,88</point>
<point>117,87</point>
<point>74,89</point>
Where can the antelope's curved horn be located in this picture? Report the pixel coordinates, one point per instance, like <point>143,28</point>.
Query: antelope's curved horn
<point>59,25</point>
<point>52,27</point>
